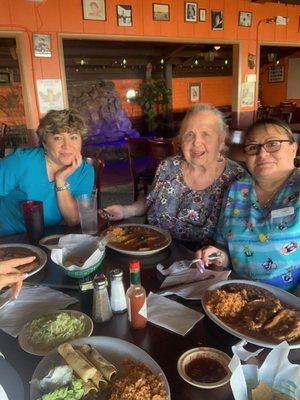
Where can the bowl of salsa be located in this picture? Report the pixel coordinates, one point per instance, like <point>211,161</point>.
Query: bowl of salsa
<point>204,367</point>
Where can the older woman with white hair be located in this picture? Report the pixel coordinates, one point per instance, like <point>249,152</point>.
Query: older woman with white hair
<point>188,188</point>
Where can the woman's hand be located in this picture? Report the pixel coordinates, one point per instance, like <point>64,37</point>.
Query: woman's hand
<point>212,255</point>
<point>62,174</point>
<point>11,276</point>
<point>115,212</point>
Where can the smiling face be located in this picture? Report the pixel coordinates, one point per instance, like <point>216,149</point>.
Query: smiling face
<point>266,164</point>
<point>201,139</point>
<point>62,147</point>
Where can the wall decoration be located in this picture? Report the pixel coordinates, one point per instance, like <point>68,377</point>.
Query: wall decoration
<point>276,73</point>
<point>247,94</point>
<point>245,18</point>
<point>124,15</point>
<point>190,12</point>
<point>217,21</point>
<point>50,95</point>
<point>94,9</point>
<point>194,92</point>
<point>161,12</point>
<point>251,60</point>
<point>202,14</point>
<point>6,77</point>
<point>42,45</point>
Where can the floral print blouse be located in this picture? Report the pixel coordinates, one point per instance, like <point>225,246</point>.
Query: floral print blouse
<point>189,215</point>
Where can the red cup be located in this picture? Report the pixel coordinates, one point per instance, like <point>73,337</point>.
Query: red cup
<point>34,220</point>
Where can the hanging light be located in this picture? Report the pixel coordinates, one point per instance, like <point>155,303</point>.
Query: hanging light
<point>196,62</point>
<point>217,48</point>
<point>162,61</point>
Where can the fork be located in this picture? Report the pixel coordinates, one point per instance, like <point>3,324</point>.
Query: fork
<point>185,264</point>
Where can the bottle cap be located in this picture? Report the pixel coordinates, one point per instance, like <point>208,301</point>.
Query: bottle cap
<point>134,265</point>
<point>116,273</point>
<point>100,281</point>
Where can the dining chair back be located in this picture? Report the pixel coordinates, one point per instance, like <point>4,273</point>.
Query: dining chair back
<point>161,148</point>
<point>287,110</point>
<point>98,170</point>
<point>3,132</point>
<point>142,168</point>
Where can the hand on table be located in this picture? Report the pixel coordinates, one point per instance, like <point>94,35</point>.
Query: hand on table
<point>115,212</point>
<point>11,276</point>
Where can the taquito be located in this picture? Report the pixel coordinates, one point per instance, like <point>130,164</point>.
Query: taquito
<point>105,367</point>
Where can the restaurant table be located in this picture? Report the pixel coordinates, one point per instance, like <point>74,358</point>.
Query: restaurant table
<point>164,347</point>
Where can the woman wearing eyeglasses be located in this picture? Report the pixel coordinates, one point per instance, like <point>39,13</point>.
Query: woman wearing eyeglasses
<point>258,232</point>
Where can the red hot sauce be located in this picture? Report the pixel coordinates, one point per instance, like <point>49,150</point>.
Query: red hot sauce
<point>136,298</point>
<point>205,370</point>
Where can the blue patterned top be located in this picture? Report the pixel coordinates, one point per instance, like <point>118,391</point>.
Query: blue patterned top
<point>190,215</point>
<point>263,241</point>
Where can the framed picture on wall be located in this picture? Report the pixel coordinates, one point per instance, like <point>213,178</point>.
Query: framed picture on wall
<point>245,18</point>
<point>6,77</point>
<point>276,73</point>
<point>190,11</point>
<point>194,92</point>
<point>217,20</point>
<point>94,9</point>
<point>42,45</point>
<point>202,14</point>
<point>124,15</point>
<point>161,12</point>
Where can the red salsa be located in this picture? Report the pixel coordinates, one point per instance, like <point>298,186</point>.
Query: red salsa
<point>205,370</point>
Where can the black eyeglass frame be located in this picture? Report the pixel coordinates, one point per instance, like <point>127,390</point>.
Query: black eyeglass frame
<point>260,145</point>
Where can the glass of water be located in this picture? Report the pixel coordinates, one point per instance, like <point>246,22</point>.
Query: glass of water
<point>87,208</point>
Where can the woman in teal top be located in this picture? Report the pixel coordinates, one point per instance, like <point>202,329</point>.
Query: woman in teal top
<point>53,173</point>
<point>259,227</point>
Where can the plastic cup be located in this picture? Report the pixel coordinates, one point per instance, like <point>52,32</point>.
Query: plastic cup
<point>87,208</point>
<point>33,214</point>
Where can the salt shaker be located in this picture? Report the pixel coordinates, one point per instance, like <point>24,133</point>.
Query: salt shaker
<point>101,306</point>
<point>117,292</point>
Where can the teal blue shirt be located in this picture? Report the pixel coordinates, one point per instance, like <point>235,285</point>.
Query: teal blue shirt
<point>263,241</point>
<point>23,176</point>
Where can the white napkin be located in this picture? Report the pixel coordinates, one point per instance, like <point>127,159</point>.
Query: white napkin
<point>32,302</point>
<point>192,284</point>
<point>171,315</point>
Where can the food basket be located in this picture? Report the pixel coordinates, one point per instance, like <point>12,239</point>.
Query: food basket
<point>81,273</point>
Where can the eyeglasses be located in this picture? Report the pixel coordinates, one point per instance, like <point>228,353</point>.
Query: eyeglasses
<point>270,146</point>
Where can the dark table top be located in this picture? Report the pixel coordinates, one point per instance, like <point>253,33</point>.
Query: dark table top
<point>163,346</point>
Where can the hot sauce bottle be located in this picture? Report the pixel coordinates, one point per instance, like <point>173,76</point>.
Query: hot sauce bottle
<point>136,298</point>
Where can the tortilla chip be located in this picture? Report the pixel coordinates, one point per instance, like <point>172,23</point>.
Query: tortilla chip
<point>262,392</point>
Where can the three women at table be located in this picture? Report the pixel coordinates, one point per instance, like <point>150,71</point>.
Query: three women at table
<point>53,173</point>
<point>188,188</point>
<point>259,226</point>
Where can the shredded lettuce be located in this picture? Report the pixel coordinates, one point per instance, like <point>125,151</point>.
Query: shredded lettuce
<point>74,391</point>
<point>48,332</point>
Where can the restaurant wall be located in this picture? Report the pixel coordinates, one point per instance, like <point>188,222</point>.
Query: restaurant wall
<point>11,104</point>
<point>65,17</point>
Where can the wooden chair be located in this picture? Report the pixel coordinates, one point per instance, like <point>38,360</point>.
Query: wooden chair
<point>142,168</point>
<point>3,132</point>
<point>162,148</point>
<point>287,110</point>
<point>98,169</point>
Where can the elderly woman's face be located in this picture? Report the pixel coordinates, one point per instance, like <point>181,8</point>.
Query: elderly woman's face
<point>201,139</point>
<point>265,164</point>
<point>62,147</point>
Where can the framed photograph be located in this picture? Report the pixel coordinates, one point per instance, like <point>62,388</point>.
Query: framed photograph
<point>124,15</point>
<point>276,73</point>
<point>217,21</point>
<point>6,77</point>
<point>202,14</point>
<point>245,18</point>
<point>161,12</point>
<point>194,92</point>
<point>94,9</point>
<point>190,11</point>
<point>42,45</point>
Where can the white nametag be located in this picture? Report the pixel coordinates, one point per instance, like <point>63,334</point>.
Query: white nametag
<point>282,212</point>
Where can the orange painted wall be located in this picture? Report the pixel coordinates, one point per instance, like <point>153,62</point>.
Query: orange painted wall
<point>65,16</point>
<point>12,114</point>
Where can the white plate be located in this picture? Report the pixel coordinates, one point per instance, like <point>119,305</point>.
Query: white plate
<point>282,295</point>
<point>113,349</point>
<point>146,252</point>
<point>29,348</point>
<point>43,242</point>
<point>39,252</point>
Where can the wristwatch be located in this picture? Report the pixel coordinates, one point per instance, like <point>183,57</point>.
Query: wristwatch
<point>61,188</point>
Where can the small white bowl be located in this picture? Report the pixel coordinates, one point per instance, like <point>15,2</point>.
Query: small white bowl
<point>205,352</point>
<point>44,240</point>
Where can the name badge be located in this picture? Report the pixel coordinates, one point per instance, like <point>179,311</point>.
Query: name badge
<point>282,212</point>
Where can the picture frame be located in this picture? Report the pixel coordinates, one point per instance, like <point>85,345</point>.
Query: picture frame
<point>245,18</point>
<point>202,14</point>
<point>217,20</point>
<point>124,15</point>
<point>94,10</point>
<point>42,45</point>
<point>276,73</point>
<point>190,11</point>
<point>6,77</point>
<point>161,12</point>
<point>194,92</point>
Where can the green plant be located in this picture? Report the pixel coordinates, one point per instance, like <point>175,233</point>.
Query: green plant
<point>154,100</point>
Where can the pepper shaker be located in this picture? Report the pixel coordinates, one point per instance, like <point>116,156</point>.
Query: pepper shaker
<point>117,292</point>
<point>101,305</point>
